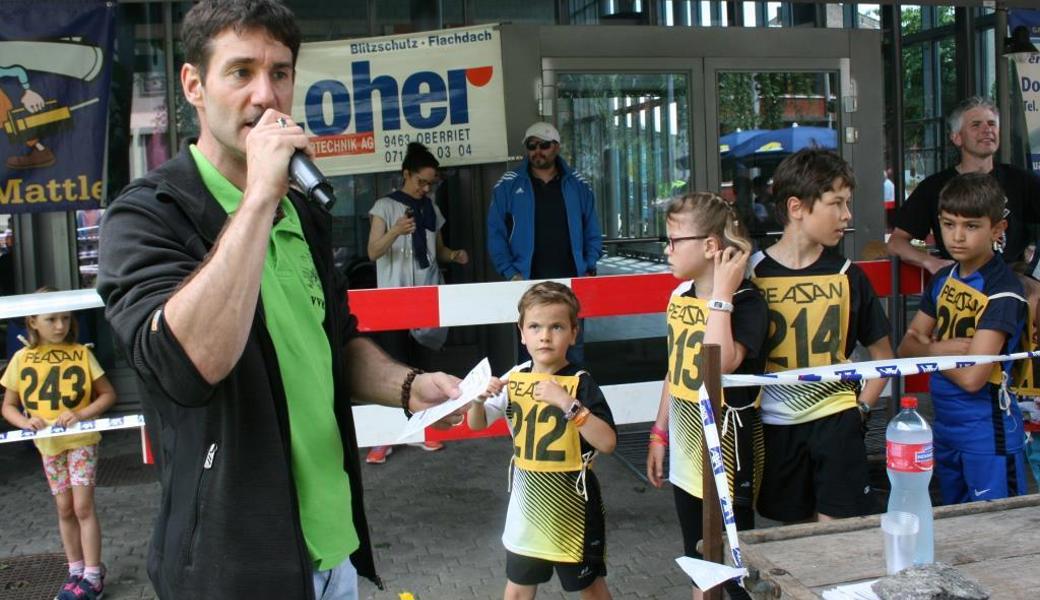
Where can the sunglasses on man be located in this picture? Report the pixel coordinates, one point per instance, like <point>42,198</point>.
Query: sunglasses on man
<point>532,145</point>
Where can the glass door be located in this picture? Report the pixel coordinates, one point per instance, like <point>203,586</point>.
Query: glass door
<point>628,131</point>
<point>762,112</point>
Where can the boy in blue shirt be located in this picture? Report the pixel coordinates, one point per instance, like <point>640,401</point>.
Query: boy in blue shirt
<point>975,306</point>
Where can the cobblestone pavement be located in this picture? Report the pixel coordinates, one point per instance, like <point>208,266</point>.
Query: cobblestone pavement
<point>436,521</point>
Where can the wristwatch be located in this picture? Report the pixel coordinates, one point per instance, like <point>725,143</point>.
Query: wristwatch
<point>721,305</point>
<point>572,411</point>
<point>864,408</point>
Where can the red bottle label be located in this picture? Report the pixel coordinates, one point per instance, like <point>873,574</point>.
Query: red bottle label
<point>910,458</point>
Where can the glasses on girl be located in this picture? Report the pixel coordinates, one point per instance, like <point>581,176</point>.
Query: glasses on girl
<point>671,241</point>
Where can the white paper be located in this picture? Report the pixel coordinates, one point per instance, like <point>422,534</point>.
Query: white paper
<point>475,383</point>
<point>853,591</point>
<point>706,575</point>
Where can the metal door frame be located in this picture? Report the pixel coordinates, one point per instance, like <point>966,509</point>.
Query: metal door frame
<point>532,54</point>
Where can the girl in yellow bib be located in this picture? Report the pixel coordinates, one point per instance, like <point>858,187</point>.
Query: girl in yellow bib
<point>559,421</point>
<point>708,249</point>
<point>55,381</point>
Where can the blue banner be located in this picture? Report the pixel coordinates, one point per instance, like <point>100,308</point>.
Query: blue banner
<point>1029,81</point>
<point>55,67</point>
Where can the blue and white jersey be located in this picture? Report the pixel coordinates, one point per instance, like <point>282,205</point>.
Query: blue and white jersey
<point>990,298</point>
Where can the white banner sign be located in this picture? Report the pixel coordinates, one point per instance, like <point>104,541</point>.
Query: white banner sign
<point>362,101</point>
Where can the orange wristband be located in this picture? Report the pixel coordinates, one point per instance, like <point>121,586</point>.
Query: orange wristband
<point>582,416</point>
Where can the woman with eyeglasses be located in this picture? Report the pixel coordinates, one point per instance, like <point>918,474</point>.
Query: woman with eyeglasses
<point>406,244</point>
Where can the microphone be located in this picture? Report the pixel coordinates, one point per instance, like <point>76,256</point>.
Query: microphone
<point>308,178</point>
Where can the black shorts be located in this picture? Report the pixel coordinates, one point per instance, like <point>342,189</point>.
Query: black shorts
<point>748,448</point>
<point>690,510</point>
<point>574,577</point>
<point>815,467</point>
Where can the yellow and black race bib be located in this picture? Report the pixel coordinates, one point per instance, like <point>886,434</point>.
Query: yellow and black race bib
<point>543,440</point>
<point>687,322</point>
<point>54,378</point>
<point>1026,374</point>
<point>956,310</point>
<point>808,318</point>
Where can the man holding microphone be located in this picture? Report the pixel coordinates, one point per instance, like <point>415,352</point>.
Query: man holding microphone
<point>219,284</point>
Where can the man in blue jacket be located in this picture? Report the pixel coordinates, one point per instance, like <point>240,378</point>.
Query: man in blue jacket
<point>542,223</point>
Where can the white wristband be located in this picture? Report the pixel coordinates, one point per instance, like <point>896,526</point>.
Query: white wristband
<point>720,305</point>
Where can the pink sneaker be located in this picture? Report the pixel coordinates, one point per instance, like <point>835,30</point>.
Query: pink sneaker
<point>431,446</point>
<point>69,584</point>
<point>378,454</point>
<point>84,591</point>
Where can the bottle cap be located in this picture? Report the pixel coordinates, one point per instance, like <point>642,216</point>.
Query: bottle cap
<point>908,402</point>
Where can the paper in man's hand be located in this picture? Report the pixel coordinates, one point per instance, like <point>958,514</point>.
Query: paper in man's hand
<point>474,384</point>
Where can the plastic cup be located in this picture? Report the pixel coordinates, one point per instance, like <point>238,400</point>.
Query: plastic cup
<point>900,531</point>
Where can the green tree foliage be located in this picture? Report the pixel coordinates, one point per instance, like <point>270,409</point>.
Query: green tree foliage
<point>759,100</point>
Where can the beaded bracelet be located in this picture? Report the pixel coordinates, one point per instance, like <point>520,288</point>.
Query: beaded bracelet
<point>406,390</point>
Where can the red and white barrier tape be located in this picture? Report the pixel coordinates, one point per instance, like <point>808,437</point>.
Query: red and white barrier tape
<point>484,304</point>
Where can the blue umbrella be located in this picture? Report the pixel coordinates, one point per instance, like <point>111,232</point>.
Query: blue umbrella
<point>735,138</point>
<point>781,142</point>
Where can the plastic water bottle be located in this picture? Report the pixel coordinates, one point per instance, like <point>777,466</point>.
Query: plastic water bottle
<point>908,441</point>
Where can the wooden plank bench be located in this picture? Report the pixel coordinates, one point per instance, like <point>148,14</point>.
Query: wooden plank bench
<point>996,543</point>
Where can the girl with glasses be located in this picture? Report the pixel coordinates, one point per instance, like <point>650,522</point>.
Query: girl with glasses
<point>707,248</point>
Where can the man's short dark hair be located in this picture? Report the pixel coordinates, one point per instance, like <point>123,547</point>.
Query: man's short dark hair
<point>807,175</point>
<point>973,196</point>
<point>208,19</point>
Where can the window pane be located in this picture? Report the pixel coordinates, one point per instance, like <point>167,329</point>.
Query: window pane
<point>676,12</point>
<point>868,16</point>
<point>321,21</point>
<point>835,16</point>
<point>911,19</point>
<point>514,11</point>
<point>185,119</point>
<point>149,136</point>
<point>404,16</point>
<point>922,127</point>
<point>584,12</point>
<point>987,77</point>
<point>947,76</point>
<point>628,133</point>
<point>773,14</point>
<point>750,14</point>
<point>763,118</point>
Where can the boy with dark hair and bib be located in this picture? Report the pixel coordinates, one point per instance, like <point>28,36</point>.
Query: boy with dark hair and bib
<point>974,306</point>
<point>559,421</point>
<point>820,306</point>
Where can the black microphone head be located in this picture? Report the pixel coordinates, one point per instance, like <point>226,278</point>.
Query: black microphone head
<point>323,194</point>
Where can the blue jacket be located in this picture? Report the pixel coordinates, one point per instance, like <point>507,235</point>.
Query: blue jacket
<point>510,226</point>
